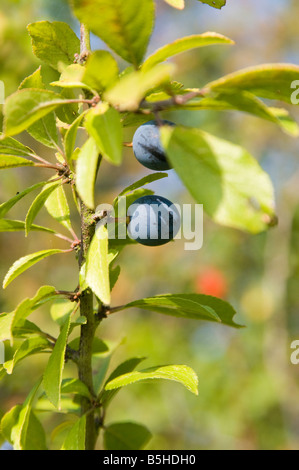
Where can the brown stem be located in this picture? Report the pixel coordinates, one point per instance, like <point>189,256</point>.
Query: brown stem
<point>63,237</point>
<point>87,331</point>
<point>48,165</point>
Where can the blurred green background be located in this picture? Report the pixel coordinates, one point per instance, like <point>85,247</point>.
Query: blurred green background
<point>248,389</point>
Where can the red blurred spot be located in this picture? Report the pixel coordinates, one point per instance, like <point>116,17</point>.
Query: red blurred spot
<point>211,282</point>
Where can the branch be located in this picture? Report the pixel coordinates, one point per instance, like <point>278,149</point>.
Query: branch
<point>176,100</point>
<point>85,48</point>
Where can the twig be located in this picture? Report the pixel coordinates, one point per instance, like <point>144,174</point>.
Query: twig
<point>63,237</point>
<point>173,101</point>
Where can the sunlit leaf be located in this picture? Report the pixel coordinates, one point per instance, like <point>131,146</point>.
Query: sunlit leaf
<point>129,91</point>
<point>224,177</point>
<point>184,44</point>
<point>6,206</point>
<point>10,161</point>
<point>7,225</point>
<point>28,347</point>
<point>125,26</point>
<point>75,440</point>
<point>70,137</point>
<point>9,321</point>
<point>54,42</point>
<point>86,171</point>
<point>72,77</point>
<point>125,367</point>
<point>101,71</point>
<point>52,379</point>
<point>194,306</point>
<point>25,107</point>
<point>25,263</point>
<point>104,125</point>
<point>246,102</point>
<point>178,373</point>
<point>97,265</point>
<point>43,130</point>
<point>75,386</point>
<point>271,81</point>
<point>10,146</point>
<point>142,182</point>
<point>57,206</point>
<point>21,427</point>
<point>38,204</point>
<point>61,310</point>
<point>179,4</point>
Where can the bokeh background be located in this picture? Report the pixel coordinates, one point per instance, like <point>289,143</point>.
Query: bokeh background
<point>248,387</point>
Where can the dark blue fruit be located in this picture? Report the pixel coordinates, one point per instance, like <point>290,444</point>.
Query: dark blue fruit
<point>154,221</point>
<point>147,146</point>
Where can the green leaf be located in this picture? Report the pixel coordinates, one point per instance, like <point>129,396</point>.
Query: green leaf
<point>215,3</point>
<point>86,171</point>
<point>132,88</point>
<point>38,204</point>
<point>68,112</point>
<point>100,366</point>
<point>125,26</point>
<point>114,274</point>
<point>97,265</point>
<point>6,206</point>
<point>179,4</point>
<point>28,347</point>
<point>75,439</point>
<point>10,161</point>
<point>9,321</point>
<point>271,81</point>
<point>7,225</point>
<point>10,146</point>
<point>179,373</point>
<point>21,427</point>
<point>26,328</point>
<point>61,310</point>
<point>43,130</point>
<point>245,102</point>
<point>101,71</point>
<point>184,44</point>
<point>136,120</point>
<point>194,306</point>
<point>33,439</point>
<point>99,347</point>
<point>126,436</point>
<point>225,178</point>
<point>54,42</point>
<point>63,426</point>
<point>70,137</point>
<point>104,125</point>
<point>52,379</point>
<point>57,206</point>
<point>72,77</point>
<point>75,386</point>
<point>182,307</point>
<point>34,80</point>
<point>25,263</point>
<point>142,182</point>
<point>25,107</point>
<point>101,361</point>
<point>125,367</point>
<point>286,122</point>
